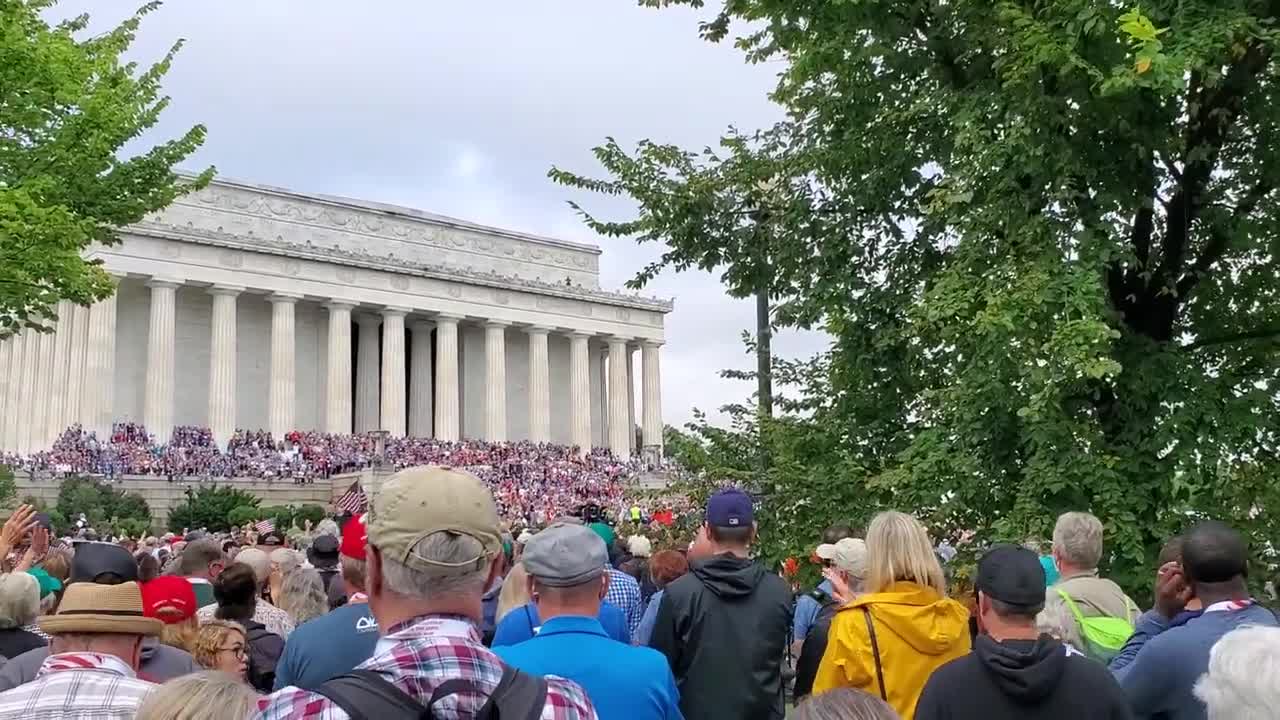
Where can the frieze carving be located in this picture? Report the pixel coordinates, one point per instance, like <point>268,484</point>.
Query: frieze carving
<point>400,282</point>
<point>232,256</point>
<point>624,314</point>
<point>171,251</point>
<point>455,292</point>
<point>354,220</point>
<point>502,297</point>
<point>292,266</point>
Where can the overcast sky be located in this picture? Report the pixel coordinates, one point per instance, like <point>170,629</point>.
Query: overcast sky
<point>460,109</point>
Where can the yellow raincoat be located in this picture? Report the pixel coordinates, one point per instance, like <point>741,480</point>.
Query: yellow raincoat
<point>917,632</point>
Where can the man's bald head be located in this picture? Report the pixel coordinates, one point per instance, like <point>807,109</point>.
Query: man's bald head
<point>1212,552</point>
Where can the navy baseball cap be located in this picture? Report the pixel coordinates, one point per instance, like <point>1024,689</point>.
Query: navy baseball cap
<point>729,508</point>
<point>1011,574</point>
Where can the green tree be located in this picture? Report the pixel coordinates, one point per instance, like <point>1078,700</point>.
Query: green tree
<point>243,514</point>
<point>106,508</point>
<point>68,106</point>
<point>8,486</point>
<point>1043,238</point>
<point>209,506</point>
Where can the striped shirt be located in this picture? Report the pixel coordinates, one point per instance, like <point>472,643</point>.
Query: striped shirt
<point>108,690</point>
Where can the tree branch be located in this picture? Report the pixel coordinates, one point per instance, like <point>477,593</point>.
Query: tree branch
<point>1220,239</point>
<point>1262,334</point>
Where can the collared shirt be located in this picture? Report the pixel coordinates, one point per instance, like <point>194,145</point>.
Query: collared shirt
<point>108,690</point>
<point>272,618</point>
<point>624,682</point>
<point>624,593</point>
<point>418,655</point>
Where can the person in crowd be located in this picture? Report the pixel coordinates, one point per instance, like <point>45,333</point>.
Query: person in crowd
<point>1159,666</point>
<point>434,537</point>
<point>97,648</point>
<point>1014,672</point>
<point>489,601</point>
<point>172,601</point>
<point>102,564</point>
<point>664,568</point>
<point>209,695</point>
<point>148,565</point>
<point>259,561</point>
<point>200,563</point>
<point>567,579</point>
<point>337,642</point>
<point>302,596</point>
<point>1080,595</point>
<point>844,704</point>
<point>324,556</point>
<point>1243,681</point>
<point>236,591</point>
<point>524,622</point>
<point>223,645</point>
<point>845,578</point>
<point>283,562</point>
<point>640,550</point>
<point>810,604</point>
<point>624,591</point>
<point>514,593</point>
<point>50,589</point>
<point>891,639</point>
<point>273,618</point>
<point>19,605</point>
<point>723,670</point>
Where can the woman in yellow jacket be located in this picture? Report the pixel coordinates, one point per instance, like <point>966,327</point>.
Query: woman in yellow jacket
<point>890,640</point>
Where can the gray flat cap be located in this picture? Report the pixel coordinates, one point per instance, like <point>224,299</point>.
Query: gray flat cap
<point>565,555</point>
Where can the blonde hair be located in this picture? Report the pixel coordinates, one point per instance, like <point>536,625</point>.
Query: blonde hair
<point>256,559</point>
<point>898,550</point>
<point>181,635</point>
<point>302,595</point>
<point>515,591</point>
<point>288,560</point>
<point>208,695</point>
<point>210,638</point>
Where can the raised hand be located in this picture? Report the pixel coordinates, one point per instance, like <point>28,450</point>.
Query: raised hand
<point>839,588</point>
<point>21,522</point>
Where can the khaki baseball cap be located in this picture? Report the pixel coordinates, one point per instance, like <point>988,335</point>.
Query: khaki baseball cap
<point>421,501</point>
<point>849,555</point>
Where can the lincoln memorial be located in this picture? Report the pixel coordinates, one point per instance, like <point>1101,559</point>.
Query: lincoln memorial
<point>243,306</point>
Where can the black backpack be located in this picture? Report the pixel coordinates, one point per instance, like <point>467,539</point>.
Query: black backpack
<point>366,695</point>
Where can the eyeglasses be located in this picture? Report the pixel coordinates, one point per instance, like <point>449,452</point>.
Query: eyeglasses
<point>236,650</point>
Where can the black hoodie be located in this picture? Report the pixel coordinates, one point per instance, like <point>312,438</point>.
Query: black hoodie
<point>724,628</point>
<point>1022,680</point>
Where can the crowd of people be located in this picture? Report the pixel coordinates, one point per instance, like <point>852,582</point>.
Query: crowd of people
<point>429,606</point>
<point>531,482</point>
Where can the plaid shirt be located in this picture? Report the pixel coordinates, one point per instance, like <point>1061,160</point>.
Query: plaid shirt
<point>110,691</point>
<point>624,594</point>
<point>418,655</point>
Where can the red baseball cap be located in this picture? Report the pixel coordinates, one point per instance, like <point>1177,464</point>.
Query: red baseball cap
<point>354,537</point>
<point>168,598</point>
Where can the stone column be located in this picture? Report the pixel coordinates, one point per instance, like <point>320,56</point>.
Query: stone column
<point>539,385</point>
<point>631,397</point>
<point>57,422</point>
<point>337,417</point>
<point>43,394</point>
<point>580,390</point>
<point>8,368</point>
<point>420,380</point>
<point>495,383</point>
<point>158,406</point>
<point>619,425</point>
<point>447,415</point>
<point>652,391</point>
<point>97,408</point>
<point>26,390</point>
<point>76,364</point>
<point>282,399</point>
<point>393,371</point>
<point>222,363</point>
<point>367,373</point>
<point>604,394</point>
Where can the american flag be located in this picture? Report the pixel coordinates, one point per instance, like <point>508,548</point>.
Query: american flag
<point>353,501</point>
<point>265,526</point>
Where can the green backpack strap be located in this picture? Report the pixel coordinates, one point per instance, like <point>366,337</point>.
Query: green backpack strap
<point>1072,605</point>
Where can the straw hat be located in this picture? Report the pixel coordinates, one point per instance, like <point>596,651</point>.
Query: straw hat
<point>93,608</point>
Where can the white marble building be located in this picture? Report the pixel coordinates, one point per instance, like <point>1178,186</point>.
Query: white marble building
<point>243,306</point>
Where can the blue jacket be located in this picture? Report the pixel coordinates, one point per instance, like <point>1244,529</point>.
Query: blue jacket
<point>623,682</point>
<point>1160,664</point>
<point>523,623</point>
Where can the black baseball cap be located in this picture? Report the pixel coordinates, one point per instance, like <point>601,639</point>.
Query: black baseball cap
<point>107,563</point>
<point>1011,574</point>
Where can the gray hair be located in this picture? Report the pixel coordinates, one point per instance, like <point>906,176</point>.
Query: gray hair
<point>441,547</point>
<point>1243,681</point>
<point>328,527</point>
<point>288,560</point>
<point>258,560</point>
<point>844,704</point>
<point>302,595</point>
<point>209,695</point>
<point>19,600</point>
<point>1077,537</point>
<point>353,571</point>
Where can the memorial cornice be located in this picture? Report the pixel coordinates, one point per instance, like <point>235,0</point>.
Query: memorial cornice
<point>339,256</point>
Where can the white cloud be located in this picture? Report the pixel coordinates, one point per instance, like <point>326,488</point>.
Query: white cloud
<point>460,109</point>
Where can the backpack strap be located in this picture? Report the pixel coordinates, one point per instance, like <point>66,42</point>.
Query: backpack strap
<point>875,652</point>
<point>518,696</point>
<point>365,694</point>
<point>1075,611</point>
